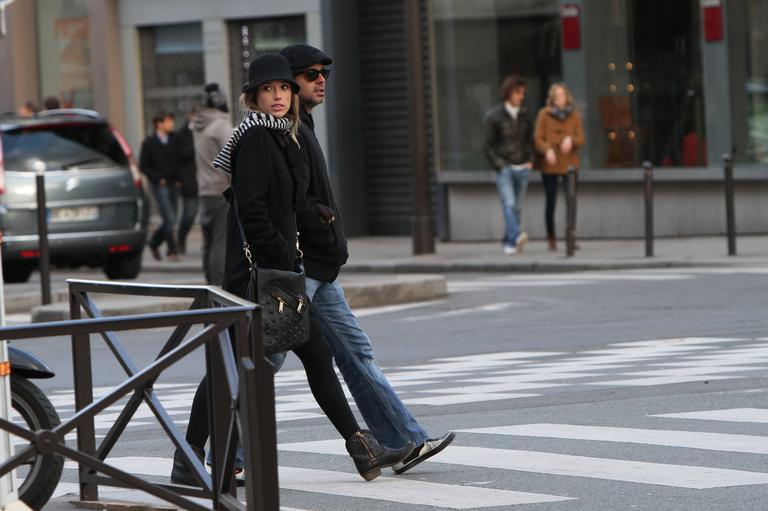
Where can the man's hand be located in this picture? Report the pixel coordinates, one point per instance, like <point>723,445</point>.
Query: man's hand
<point>162,181</point>
<point>325,213</point>
<point>550,156</point>
<point>529,165</point>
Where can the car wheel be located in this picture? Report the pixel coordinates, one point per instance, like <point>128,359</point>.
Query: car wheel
<point>15,272</point>
<point>123,267</point>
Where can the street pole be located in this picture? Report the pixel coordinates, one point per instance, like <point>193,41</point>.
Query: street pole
<point>570,224</point>
<point>648,174</point>
<point>423,236</point>
<point>730,210</point>
<point>44,257</point>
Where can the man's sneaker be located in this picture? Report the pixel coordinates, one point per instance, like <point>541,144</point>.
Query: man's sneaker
<point>423,452</point>
<point>510,250</point>
<point>521,240</point>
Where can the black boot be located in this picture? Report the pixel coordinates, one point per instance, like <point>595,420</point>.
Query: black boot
<point>181,474</point>
<point>370,456</point>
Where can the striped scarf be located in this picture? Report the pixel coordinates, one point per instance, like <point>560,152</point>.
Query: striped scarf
<point>224,159</point>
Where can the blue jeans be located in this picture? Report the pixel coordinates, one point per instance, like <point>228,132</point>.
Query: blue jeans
<point>187,219</point>
<point>512,185</point>
<point>385,414</point>
<point>165,196</point>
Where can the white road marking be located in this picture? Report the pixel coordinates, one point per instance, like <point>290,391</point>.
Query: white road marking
<point>669,438</point>
<point>756,415</point>
<point>660,380</point>
<point>680,476</point>
<point>455,399</point>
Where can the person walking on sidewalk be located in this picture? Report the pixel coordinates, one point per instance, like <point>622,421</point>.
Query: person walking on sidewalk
<point>187,184</point>
<point>324,246</point>
<point>159,162</point>
<point>211,129</point>
<point>558,136</point>
<point>509,148</point>
<point>268,185</point>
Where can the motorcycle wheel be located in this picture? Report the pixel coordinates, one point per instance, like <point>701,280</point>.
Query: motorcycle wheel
<point>41,474</point>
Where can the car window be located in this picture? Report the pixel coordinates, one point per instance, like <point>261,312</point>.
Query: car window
<point>62,147</point>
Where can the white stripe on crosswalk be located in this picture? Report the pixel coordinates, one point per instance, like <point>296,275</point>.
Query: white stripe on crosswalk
<point>455,399</point>
<point>669,438</point>
<point>406,491</point>
<point>347,484</point>
<point>756,415</point>
<point>680,476</point>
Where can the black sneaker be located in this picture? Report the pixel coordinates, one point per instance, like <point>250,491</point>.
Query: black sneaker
<point>181,473</point>
<point>423,452</point>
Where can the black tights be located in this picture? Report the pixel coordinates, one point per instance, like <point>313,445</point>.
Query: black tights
<point>550,191</point>
<point>316,358</point>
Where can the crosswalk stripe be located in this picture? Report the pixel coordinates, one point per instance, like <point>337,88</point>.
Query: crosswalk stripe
<point>756,415</point>
<point>669,438</point>
<point>680,476</point>
<point>347,484</point>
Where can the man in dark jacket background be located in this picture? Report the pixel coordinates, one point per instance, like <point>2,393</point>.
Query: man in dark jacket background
<point>185,150</point>
<point>322,241</point>
<point>159,162</point>
<point>509,148</point>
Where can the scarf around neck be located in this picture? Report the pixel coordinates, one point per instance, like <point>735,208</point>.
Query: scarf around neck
<point>251,119</point>
<point>560,114</point>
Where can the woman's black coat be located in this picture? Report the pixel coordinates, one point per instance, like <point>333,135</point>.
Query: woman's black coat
<point>263,186</point>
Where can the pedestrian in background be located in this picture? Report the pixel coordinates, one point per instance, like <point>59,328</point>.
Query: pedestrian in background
<point>51,103</point>
<point>509,148</point>
<point>211,129</point>
<point>558,136</point>
<point>27,109</point>
<point>187,183</point>
<point>159,162</point>
<point>324,248</point>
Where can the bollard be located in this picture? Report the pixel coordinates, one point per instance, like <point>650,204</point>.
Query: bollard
<point>648,173</point>
<point>730,215</point>
<point>570,201</point>
<point>42,238</point>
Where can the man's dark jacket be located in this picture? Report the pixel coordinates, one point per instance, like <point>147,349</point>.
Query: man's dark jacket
<point>159,161</point>
<point>323,244</point>
<point>185,151</point>
<point>508,141</point>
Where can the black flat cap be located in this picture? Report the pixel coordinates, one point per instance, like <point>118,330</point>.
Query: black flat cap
<point>301,56</point>
<point>268,67</point>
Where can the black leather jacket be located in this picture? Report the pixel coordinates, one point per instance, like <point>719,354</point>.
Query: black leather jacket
<point>508,141</point>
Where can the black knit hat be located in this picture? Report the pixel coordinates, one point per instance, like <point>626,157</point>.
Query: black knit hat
<point>301,56</point>
<point>268,67</point>
<point>213,97</point>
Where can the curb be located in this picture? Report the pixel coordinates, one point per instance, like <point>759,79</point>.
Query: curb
<point>360,292</point>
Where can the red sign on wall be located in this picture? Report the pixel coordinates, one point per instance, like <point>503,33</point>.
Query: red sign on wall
<point>570,15</point>
<point>712,13</point>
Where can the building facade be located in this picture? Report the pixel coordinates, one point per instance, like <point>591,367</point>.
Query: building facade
<point>674,83</point>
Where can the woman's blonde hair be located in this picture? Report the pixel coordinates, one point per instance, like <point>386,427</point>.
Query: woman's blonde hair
<point>248,102</point>
<point>551,94</point>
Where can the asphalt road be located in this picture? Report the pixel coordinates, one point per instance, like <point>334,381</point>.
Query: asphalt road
<point>602,391</point>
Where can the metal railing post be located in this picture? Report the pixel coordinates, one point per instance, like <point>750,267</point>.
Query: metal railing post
<point>570,201</point>
<point>7,483</point>
<point>730,210</point>
<point>44,257</point>
<point>648,174</point>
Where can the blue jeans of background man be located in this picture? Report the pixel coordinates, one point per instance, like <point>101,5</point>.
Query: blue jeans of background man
<point>187,220</point>
<point>385,414</point>
<point>165,197</point>
<point>512,183</point>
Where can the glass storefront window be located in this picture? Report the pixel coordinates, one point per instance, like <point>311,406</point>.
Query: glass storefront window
<point>172,69</point>
<point>63,29</point>
<point>476,44</point>
<point>756,86</point>
<point>253,37</point>
<point>644,83</point>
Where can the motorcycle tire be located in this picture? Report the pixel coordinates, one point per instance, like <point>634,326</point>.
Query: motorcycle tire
<point>40,475</point>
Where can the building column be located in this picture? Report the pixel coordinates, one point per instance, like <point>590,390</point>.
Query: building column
<point>132,89</point>
<point>19,58</point>
<point>216,55</point>
<point>106,70</point>
<point>717,104</point>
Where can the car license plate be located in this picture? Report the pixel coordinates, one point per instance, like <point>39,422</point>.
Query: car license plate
<point>78,214</point>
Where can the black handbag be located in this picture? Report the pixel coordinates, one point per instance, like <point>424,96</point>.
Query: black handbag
<point>282,295</point>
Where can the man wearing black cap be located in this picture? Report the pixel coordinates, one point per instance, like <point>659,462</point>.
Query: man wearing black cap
<point>325,251</point>
<point>211,129</point>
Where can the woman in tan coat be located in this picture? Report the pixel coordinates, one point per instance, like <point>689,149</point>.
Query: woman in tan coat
<point>557,137</point>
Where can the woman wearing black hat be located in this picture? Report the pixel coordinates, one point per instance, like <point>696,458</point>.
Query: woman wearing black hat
<point>264,182</point>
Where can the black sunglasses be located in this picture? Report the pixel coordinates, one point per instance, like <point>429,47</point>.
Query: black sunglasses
<point>313,74</point>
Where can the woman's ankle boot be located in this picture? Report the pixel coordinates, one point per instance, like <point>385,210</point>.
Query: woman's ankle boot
<point>552,243</point>
<point>181,474</point>
<point>370,456</point>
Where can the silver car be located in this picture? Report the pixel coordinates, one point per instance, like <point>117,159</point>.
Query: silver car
<point>96,209</point>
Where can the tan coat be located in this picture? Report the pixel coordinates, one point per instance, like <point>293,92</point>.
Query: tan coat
<point>549,132</point>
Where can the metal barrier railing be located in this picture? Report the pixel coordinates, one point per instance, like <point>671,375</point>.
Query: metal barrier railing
<point>241,394</point>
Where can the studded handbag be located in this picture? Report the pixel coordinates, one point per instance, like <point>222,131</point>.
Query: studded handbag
<point>283,297</point>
